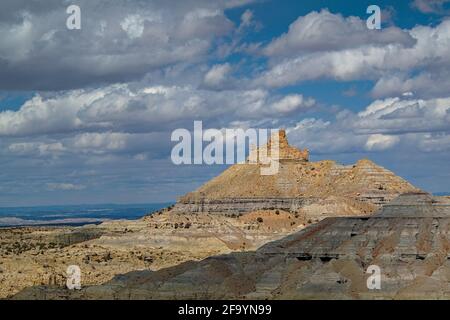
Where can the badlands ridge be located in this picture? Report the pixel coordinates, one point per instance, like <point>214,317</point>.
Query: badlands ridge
<point>240,213</point>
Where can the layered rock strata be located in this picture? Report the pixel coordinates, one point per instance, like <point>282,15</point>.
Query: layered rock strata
<point>40,255</point>
<point>241,188</point>
<point>409,240</point>
<point>237,211</point>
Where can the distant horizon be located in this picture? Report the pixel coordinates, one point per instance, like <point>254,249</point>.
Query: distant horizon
<point>74,214</point>
<point>89,204</point>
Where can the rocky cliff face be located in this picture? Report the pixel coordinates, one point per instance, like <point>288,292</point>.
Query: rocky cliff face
<point>241,188</point>
<point>409,240</point>
<point>238,206</point>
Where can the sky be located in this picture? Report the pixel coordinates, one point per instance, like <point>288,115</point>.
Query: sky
<point>86,115</point>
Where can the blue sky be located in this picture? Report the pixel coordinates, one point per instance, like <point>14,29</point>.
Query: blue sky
<point>86,115</point>
<point>275,20</point>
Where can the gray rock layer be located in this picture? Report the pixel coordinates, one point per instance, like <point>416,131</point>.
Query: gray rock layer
<point>242,205</point>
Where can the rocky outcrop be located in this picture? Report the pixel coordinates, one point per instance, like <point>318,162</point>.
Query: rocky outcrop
<point>286,152</point>
<point>241,188</point>
<point>238,211</point>
<point>408,240</point>
<point>239,206</point>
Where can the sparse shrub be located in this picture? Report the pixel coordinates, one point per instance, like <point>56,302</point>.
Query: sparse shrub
<point>259,219</point>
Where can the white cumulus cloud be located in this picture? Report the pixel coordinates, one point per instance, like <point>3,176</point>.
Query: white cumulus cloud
<point>378,142</point>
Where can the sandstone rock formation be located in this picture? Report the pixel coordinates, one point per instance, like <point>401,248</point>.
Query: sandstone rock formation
<point>299,183</point>
<point>286,152</point>
<point>408,239</point>
<point>240,210</point>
